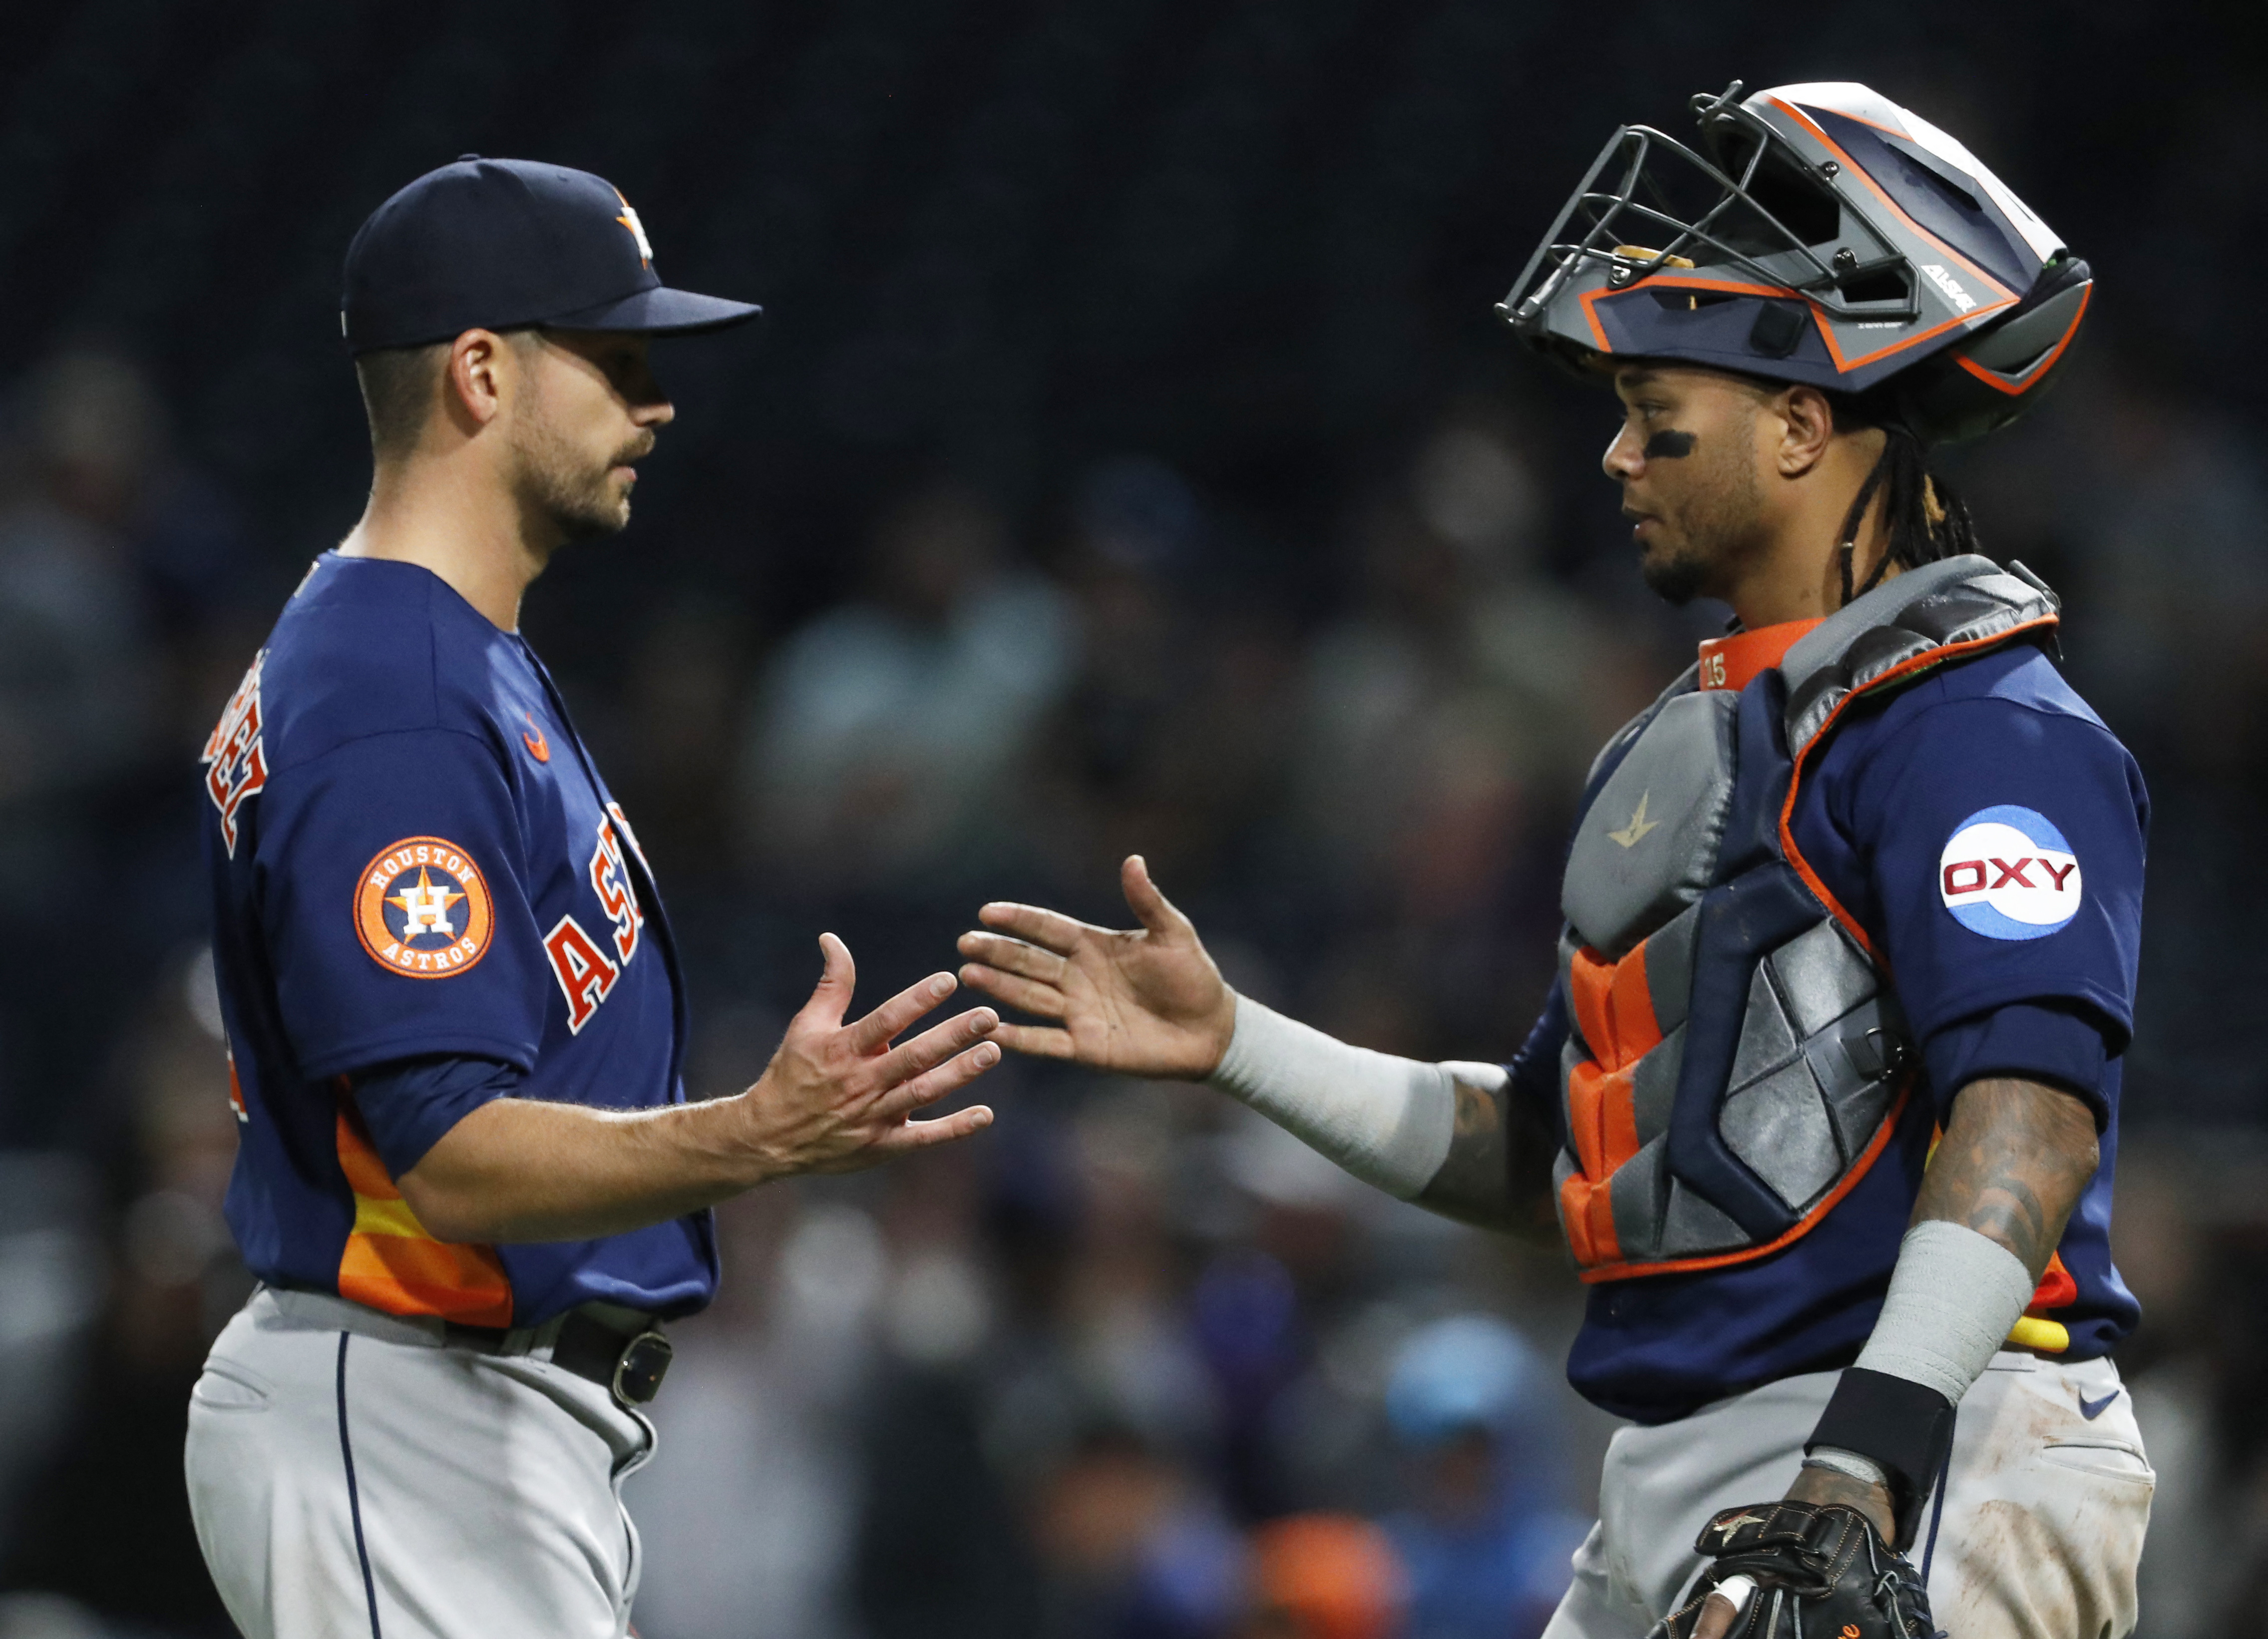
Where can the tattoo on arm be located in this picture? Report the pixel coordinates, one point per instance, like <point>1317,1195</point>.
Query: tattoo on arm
<point>1475,1181</point>
<point>1498,1172</point>
<point>2012,1165</point>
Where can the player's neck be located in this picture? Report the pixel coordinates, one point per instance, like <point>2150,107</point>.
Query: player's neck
<point>1796,574</point>
<point>464,525</point>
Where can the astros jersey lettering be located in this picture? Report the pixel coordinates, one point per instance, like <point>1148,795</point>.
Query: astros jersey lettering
<point>425,898</point>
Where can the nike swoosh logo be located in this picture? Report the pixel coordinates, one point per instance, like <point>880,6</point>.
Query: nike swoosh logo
<point>2092,1409</point>
<point>538,746</point>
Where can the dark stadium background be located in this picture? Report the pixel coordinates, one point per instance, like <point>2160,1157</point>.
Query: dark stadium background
<point>1175,321</point>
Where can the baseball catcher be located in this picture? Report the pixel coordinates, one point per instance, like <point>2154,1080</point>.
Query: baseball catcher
<point>1825,1097</point>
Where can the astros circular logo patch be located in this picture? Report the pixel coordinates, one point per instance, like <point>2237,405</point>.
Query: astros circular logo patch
<point>422,909</point>
<point>2007,874</point>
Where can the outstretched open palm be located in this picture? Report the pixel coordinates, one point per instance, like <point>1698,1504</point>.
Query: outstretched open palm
<point>1144,1001</point>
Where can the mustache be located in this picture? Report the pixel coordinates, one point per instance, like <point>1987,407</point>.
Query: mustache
<point>637,450</point>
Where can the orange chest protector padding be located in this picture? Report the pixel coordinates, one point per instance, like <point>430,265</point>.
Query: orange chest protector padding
<point>1737,1060</point>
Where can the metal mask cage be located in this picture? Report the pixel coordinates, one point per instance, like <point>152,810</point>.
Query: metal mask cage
<point>1759,210</point>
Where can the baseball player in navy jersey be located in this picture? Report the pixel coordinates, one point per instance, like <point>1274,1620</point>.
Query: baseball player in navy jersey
<point>469,1180</point>
<point>1825,1097</point>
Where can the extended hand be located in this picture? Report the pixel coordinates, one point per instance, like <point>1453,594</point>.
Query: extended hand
<point>838,1097</point>
<point>1147,1001</point>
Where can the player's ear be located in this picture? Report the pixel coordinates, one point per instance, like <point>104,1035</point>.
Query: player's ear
<point>474,381</point>
<point>1807,426</point>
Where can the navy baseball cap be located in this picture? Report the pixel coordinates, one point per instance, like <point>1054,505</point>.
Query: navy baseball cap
<point>501,244</point>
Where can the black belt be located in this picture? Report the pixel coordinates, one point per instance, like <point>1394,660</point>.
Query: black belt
<point>630,1365</point>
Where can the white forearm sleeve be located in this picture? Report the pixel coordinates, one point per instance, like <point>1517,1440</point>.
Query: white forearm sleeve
<point>1387,1120</point>
<point>1953,1297</point>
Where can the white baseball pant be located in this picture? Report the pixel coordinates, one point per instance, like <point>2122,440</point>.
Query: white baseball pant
<point>352,1478</point>
<point>2045,1504</point>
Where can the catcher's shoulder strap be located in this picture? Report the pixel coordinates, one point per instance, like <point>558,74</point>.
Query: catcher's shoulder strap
<point>1903,629</point>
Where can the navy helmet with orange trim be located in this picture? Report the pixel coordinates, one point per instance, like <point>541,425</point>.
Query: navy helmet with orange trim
<point>1822,234</point>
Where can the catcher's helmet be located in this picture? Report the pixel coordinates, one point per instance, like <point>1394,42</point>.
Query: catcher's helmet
<point>1823,235</point>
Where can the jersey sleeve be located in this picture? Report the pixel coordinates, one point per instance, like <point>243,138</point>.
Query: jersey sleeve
<point>1535,1068</point>
<point>2061,1044</point>
<point>391,877</point>
<point>2005,845</point>
<point>409,1104</point>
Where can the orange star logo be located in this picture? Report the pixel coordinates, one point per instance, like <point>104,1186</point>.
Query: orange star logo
<point>424,908</point>
<point>630,219</point>
<point>457,909</point>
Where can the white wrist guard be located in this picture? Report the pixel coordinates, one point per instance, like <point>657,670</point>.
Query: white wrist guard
<point>1388,1120</point>
<point>1953,1297</point>
<point>1842,1462</point>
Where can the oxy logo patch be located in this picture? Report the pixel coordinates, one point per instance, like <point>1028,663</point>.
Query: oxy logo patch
<point>2007,873</point>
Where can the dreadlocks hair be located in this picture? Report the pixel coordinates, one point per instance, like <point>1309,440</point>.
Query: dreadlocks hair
<point>1922,516</point>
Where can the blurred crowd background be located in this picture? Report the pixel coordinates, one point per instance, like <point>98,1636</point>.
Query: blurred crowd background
<point>1129,460</point>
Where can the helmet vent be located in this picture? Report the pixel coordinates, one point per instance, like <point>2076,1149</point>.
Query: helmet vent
<point>1925,175</point>
<point>1877,285</point>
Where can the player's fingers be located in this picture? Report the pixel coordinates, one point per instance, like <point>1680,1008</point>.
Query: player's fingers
<point>1151,908</point>
<point>940,1082</point>
<point>874,1032</point>
<point>1012,956</point>
<point>921,1134</point>
<point>1051,930</point>
<point>1035,1041</point>
<point>1027,995</point>
<point>830,998</point>
<point>1723,1608</point>
<point>933,1046</point>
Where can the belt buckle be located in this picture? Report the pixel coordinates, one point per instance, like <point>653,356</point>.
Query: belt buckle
<point>644,1362</point>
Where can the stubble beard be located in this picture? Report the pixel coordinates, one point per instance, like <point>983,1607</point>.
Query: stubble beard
<point>1712,528</point>
<point>1676,576</point>
<point>559,484</point>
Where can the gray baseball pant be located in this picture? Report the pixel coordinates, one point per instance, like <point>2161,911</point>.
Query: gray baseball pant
<point>2038,1538</point>
<point>352,1478</point>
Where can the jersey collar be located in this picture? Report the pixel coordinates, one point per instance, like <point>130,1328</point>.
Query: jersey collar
<point>1735,661</point>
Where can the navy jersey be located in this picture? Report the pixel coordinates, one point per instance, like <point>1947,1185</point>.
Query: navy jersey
<point>413,859</point>
<point>1987,831</point>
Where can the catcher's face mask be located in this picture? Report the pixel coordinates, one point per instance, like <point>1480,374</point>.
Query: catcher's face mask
<point>1820,233</point>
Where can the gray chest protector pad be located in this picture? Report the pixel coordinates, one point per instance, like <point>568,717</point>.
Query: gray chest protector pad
<point>1780,1049</point>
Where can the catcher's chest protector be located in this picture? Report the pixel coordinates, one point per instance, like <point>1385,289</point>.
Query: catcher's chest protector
<point>1737,1060</point>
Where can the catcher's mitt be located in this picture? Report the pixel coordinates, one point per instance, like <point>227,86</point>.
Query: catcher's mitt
<point>1812,1570</point>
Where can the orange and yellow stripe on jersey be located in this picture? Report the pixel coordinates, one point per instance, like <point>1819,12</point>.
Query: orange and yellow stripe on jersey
<point>391,1263</point>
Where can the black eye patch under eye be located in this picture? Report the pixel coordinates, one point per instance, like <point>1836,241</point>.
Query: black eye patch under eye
<point>1669,446</point>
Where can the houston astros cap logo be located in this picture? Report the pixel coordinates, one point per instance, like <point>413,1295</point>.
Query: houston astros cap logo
<point>630,219</point>
<point>2007,873</point>
<point>422,909</point>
